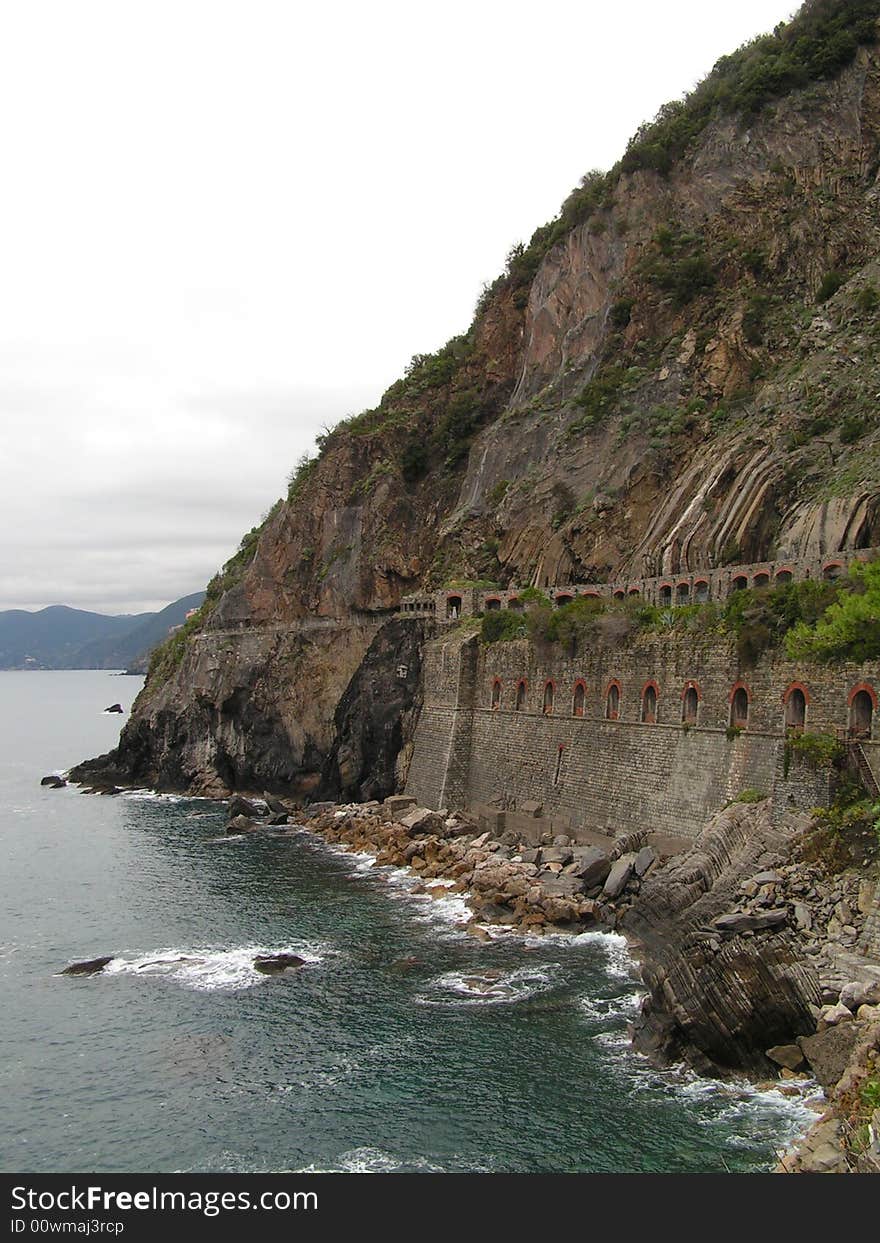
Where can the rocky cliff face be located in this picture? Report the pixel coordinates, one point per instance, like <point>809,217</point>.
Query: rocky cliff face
<point>664,390</point>
<point>718,998</point>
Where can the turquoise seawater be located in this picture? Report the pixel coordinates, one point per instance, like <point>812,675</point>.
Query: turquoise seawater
<point>402,1045</point>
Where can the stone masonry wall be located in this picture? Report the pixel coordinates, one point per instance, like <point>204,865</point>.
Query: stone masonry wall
<point>627,773</point>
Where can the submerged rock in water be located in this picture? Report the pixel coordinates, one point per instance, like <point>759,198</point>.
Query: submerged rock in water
<point>115,708</point>
<point>53,781</point>
<point>91,966</point>
<point>276,964</point>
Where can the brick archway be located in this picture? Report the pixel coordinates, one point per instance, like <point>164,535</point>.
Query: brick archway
<point>795,698</point>
<point>740,703</point>
<point>691,697</point>
<point>549,697</point>
<point>579,696</point>
<point>612,700</point>
<point>650,703</point>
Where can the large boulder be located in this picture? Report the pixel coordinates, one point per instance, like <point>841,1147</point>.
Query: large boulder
<point>619,876</point>
<point>421,820</point>
<point>53,781</point>
<point>241,824</point>
<point>91,966</point>
<point>398,805</point>
<point>241,806</point>
<point>791,1056</point>
<point>275,805</point>
<point>750,921</point>
<point>828,1053</point>
<point>860,993</point>
<point>644,861</point>
<point>556,854</point>
<point>591,864</point>
<point>563,886</point>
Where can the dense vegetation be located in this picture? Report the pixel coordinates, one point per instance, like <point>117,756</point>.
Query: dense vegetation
<point>819,621</point>
<point>849,629</point>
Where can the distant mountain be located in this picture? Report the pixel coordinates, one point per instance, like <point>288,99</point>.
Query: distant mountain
<point>59,637</point>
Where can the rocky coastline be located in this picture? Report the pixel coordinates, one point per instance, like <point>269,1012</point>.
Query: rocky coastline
<point>747,947</point>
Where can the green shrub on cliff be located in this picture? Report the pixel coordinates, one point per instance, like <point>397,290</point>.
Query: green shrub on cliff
<point>817,750</point>
<point>760,618</point>
<point>166,658</point>
<point>849,628</point>
<point>819,41</point>
<point>499,625</point>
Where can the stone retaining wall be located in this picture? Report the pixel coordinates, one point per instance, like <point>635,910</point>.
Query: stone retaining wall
<point>628,773</point>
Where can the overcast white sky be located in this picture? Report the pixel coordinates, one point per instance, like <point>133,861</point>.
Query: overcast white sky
<point>226,224</point>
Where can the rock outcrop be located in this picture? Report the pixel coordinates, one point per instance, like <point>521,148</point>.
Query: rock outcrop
<point>724,986</point>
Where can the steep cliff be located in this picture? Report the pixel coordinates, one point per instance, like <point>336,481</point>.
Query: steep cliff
<point>680,371</point>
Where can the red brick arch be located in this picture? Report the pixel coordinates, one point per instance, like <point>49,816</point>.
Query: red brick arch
<point>648,717</point>
<point>522,690</point>
<point>869,691</point>
<point>548,708</point>
<point>579,685</point>
<point>692,686</point>
<point>795,686</point>
<point>495,699</point>
<point>613,685</point>
<point>739,686</point>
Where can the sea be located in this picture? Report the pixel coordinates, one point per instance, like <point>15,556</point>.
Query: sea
<point>403,1044</point>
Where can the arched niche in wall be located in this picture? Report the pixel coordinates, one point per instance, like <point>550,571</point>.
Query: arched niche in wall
<point>740,699</point>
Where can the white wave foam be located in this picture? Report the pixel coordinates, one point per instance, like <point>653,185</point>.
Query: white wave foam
<point>747,1113</point>
<point>604,1008</point>
<point>450,910</point>
<point>153,796</point>
<point>372,1161</point>
<point>482,988</point>
<point>212,969</point>
<point>613,1039</point>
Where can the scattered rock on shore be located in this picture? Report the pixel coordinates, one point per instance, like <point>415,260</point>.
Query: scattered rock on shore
<point>53,781</point>
<point>240,806</point>
<point>241,824</point>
